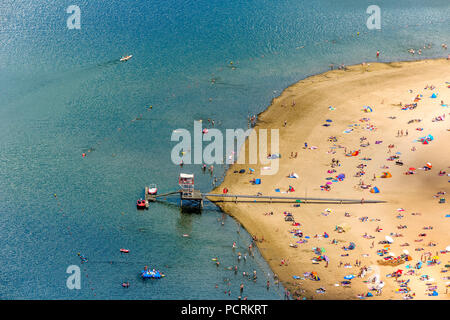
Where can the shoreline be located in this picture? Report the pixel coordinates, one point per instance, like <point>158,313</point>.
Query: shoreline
<point>367,82</point>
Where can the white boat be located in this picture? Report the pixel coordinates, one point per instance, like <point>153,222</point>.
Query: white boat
<point>152,189</point>
<point>126,58</point>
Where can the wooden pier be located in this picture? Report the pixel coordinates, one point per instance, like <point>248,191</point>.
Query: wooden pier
<point>280,199</point>
<point>199,197</point>
<point>187,193</point>
<point>196,196</point>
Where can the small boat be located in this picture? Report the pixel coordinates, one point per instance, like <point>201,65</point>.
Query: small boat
<point>152,274</point>
<point>142,204</point>
<point>124,250</point>
<point>152,189</point>
<point>126,58</point>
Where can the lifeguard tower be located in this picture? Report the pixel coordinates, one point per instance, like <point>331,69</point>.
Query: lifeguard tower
<point>188,192</point>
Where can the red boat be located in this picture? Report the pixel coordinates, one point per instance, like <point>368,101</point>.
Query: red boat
<point>124,250</point>
<point>142,204</point>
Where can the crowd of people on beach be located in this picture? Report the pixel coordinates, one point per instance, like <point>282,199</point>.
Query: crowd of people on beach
<point>431,257</point>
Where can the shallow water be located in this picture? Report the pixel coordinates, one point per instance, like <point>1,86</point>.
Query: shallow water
<point>62,92</point>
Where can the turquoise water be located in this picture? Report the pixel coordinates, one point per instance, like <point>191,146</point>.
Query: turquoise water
<point>62,92</point>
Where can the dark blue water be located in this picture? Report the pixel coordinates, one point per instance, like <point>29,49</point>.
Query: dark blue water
<point>63,92</point>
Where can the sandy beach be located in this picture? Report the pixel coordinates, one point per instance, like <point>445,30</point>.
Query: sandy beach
<point>361,124</point>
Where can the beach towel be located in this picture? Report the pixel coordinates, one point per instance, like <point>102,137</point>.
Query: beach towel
<point>275,156</point>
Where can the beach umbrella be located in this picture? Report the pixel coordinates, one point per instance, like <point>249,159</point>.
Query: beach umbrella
<point>406,251</point>
<point>429,165</point>
<point>412,169</point>
<point>389,239</point>
<point>386,174</point>
<point>349,277</point>
<point>375,190</point>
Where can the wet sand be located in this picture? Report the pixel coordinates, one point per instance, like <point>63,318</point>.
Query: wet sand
<point>382,87</point>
